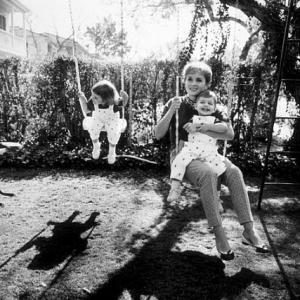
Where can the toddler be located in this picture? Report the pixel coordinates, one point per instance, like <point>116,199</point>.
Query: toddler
<point>102,112</point>
<point>199,144</point>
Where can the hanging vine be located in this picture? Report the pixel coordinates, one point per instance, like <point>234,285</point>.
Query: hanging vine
<point>197,23</point>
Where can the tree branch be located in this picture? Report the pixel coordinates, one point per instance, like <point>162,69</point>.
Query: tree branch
<point>251,41</point>
<point>227,19</point>
<point>252,8</point>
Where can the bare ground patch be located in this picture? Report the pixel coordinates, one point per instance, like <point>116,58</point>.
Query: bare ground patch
<point>106,235</point>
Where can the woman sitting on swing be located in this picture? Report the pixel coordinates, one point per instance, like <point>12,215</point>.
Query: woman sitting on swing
<point>103,113</point>
<point>197,78</point>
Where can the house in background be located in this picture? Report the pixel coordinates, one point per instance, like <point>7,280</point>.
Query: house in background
<point>12,16</point>
<point>16,40</point>
<point>43,45</point>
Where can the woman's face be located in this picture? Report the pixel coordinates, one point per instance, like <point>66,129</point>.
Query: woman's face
<point>205,106</point>
<point>195,83</point>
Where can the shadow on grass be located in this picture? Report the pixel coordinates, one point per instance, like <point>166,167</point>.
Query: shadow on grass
<point>158,271</point>
<point>66,240</point>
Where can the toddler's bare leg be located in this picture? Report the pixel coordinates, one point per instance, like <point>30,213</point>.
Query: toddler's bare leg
<point>111,154</point>
<point>96,149</point>
<point>175,190</point>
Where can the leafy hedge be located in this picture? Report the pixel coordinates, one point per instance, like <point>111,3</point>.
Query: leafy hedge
<point>49,118</point>
<point>40,108</point>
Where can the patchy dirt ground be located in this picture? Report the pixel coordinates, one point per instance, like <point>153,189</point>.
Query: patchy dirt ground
<point>106,235</point>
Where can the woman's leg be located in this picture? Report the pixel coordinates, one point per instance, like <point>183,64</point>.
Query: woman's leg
<point>233,178</point>
<point>201,174</point>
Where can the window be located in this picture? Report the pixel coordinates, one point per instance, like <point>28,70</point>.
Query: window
<point>2,22</point>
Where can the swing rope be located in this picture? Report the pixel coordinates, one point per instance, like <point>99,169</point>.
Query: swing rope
<point>122,75</point>
<point>75,56</point>
<point>177,117</point>
<point>177,86</point>
<point>122,54</point>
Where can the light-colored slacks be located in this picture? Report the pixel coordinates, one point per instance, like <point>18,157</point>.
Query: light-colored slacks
<point>202,175</point>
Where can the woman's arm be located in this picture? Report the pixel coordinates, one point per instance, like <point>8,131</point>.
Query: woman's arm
<point>226,135</point>
<point>162,126</point>
<point>217,128</point>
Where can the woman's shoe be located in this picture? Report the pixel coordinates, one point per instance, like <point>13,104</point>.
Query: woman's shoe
<point>229,255</point>
<point>258,248</point>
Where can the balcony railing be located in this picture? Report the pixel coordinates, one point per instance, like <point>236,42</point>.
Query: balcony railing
<point>12,45</point>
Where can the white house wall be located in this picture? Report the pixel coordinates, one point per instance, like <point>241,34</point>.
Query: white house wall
<point>12,44</point>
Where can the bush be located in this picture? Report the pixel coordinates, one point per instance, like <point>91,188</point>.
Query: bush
<point>49,118</point>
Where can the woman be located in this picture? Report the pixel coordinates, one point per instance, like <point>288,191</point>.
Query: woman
<point>197,78</point>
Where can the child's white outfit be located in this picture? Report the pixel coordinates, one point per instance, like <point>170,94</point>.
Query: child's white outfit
<point>104,119</point>
<point>199,146</point>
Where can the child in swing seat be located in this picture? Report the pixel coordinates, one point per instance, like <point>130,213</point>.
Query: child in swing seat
<point>103,113</point>
<point>199,145</point>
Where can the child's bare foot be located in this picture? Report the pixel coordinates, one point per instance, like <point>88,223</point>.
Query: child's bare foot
<point>220,206</point>
<point>174,194</point>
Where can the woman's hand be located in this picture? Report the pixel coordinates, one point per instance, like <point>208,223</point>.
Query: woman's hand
<point>176,102</point>
<point>196,127</point>
<point>203,128</point>
<point>124,97</point>
<point>190,127</point>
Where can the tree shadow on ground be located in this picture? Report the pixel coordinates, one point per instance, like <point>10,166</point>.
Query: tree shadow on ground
<point>165,274</point>
<point>65,241</point>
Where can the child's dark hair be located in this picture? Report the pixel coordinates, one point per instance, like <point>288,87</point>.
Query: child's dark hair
<point>222,116</point>
<point>208,94</point>
<point>107,91</point>
<point>198,66</point>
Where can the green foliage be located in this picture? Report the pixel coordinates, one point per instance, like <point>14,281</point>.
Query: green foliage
<point>107,40</point>
<point>51,118</point>
<point>14,98</point>
<point>53,135</point>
